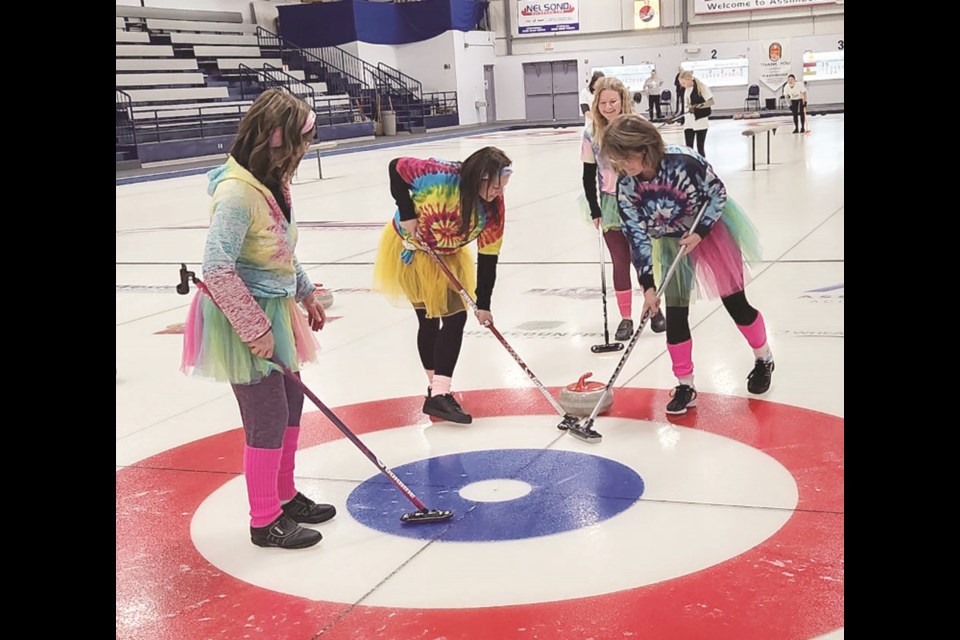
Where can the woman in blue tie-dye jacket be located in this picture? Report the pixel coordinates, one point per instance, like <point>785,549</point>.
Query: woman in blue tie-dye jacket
<point>661,190</point>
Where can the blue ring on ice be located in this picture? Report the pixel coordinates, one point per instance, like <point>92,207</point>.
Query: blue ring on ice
<point>570,490</point>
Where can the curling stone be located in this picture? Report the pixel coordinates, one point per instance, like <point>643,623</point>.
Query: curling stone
<point>579,398</point>
<point>324,297</point>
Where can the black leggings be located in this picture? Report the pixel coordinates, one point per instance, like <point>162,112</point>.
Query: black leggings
<point>619,249</point>
<point>439,345</point>
<point>654,101</point>
<point>678,325</point>
<point>796,108</point>
<point>701,136</point>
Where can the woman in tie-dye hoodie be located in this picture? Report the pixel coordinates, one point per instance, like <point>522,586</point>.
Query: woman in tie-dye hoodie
<point>662,188</point>
<point>256,282</point>
<point>446,205</point>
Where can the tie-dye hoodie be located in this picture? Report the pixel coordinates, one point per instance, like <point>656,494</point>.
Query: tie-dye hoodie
<point>250,249</point>
<point>435,186</point>
<point>667,204</point>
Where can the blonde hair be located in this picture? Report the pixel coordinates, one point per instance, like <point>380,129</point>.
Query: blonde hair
<point>686,74</point>
<point>629,135</point>
<point>626,102</point>
<point>273,109</point>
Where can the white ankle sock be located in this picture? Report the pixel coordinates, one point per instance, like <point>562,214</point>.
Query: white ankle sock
<point>441,385</point>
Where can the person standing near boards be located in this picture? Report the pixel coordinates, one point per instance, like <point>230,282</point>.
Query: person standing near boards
<point>697,103</point>
<point>796,93</point>
<point>586,95</point>
<point>652,86</point>
<point>680,90</point>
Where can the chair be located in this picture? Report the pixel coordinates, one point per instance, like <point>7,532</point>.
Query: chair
<point>666,103</point>
<point>753,96</point>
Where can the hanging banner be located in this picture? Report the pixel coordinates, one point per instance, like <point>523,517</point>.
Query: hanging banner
<point>646,14</point>
<point>633,76</point>
<point>548,17</point>
<point>774,62</point>
<point>731,72</point>
<point>822,65</point>
<point>726,6</point>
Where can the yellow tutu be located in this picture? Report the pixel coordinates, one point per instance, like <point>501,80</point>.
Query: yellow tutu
<point>422,283</point>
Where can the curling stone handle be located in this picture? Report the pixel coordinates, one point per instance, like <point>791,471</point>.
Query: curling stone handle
<point>582,382</point>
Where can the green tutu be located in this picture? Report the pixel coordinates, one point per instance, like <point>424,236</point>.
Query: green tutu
<point>213,349</point>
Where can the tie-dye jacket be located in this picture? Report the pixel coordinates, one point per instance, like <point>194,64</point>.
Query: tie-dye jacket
<point>667,204</point>
<point>250,249</point>
<point>435,191</point>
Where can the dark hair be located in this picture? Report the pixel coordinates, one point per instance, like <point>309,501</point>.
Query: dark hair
<point>273,109</point>
<point>483,164</point>
<point>593,80</point>
<point>791,76</point>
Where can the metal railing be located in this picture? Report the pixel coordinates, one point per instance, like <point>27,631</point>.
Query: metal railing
<point>342,71</point>
<point>198,122</point>
<point>397,80</point>
<point>438,103</point>
<point>330,110</point>
<point>359,71</point>
<point>126,131</point>
<point>256,80</point>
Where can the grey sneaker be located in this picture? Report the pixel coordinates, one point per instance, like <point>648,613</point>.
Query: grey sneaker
<point>624,330</point>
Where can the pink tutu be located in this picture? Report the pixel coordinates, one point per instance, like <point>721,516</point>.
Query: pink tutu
<point>212,348</point>
<point>715,268</point>
<point>718,263</point>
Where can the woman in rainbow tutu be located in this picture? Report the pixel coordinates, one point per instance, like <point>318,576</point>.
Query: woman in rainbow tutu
<point>257,287</point>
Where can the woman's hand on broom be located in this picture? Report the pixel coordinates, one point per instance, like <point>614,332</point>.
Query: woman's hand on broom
<point>410,226</point>
<point>263,346</point>
<point>315,312</point>
<point>651,303</point>
<point>690,241</point>
<point>484,317</point>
